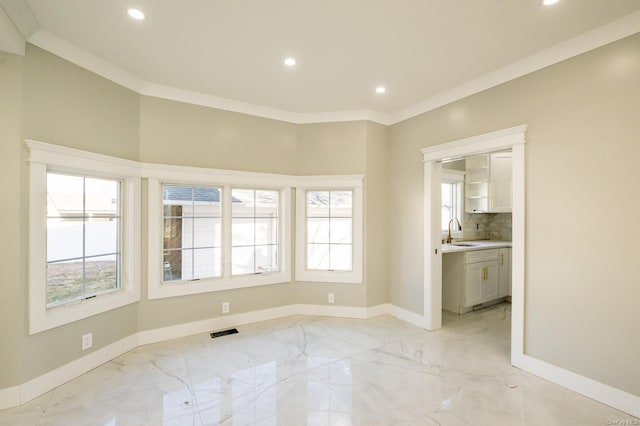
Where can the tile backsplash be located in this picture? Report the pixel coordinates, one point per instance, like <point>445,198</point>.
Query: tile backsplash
<point>486,226</point>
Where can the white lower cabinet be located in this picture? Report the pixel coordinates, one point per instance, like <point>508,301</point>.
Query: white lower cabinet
<point>474,277</point>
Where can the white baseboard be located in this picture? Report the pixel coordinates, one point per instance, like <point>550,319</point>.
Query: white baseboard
<point>408,316</point>
<point>9,397</point>
<point>590,388</point>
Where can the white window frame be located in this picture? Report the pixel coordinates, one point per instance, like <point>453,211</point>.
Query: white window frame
<point>454,176</point>
<point>46,157</point>
<point>330,183</point>
<point>161,174</point>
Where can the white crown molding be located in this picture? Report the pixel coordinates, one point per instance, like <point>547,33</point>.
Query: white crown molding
<point>606,34</point>
<point>598,37</point>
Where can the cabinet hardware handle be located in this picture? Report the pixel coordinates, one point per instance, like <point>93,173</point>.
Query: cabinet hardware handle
<point>502,258</point>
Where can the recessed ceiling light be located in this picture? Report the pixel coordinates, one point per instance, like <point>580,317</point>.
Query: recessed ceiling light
<point>289,62</point>
<point>136,14</point>
<point>549,2</point>
<point>380,89</point>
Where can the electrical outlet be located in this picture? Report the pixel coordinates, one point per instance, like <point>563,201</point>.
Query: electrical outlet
<point>87,341</point>
<point>331,298</point>
<point>225,307</point>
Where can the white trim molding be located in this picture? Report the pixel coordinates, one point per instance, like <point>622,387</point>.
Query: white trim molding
<point>44,157</point>
<point>158,288</point>
<point>480,144</point>
<point>593,389</point>
<point>598,37</point>
<point>330,183</point>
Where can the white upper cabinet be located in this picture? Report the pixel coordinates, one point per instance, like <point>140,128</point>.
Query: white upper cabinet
<point>488,183</point>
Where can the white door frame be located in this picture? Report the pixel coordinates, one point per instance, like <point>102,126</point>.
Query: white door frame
<point>511,138</point>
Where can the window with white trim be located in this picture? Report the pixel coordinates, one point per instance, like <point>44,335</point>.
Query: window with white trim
<point>329,222</point>
<point>329,230</point>
<point>452,200</point>
<point>84,222</point>
<point>211,230</point>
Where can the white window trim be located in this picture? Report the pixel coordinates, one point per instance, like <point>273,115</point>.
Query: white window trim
<point>454,176</point>
<point>159,174</point>
<point>330,183</point>
<point>44,157</point>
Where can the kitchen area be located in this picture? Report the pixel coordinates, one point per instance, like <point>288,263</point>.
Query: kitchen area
<point>476,231</point>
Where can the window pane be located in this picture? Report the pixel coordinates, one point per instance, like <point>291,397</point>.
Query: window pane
<point>340,257</point>
<point>266,203</point>
<point>207,263</point>
<point>266,258</point>
<point>186,232</point>
<point>341,203</point>
<point>172,233</point>
<point>242,260</point>
<point>172,265</point>
<point>318,256</point>
<point>101,275</point>
<point>64,195</point>
<point>266,231</point>
<point>64,281</point>
<point>317,203</point>
<point>175,198</point>
<point>341,230</point>
<point>101,236</point>
<point>206,202</point>
<point>64,239</point>
<point>242,232</point>
<point>318,230</point>
<point>242,202</point>
<point>101,197</point>
<point>206,232</point>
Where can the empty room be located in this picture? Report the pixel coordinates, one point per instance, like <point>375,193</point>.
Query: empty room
<point>361,212</point>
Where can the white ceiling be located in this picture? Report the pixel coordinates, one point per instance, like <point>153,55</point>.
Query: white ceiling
<point>420,50</point>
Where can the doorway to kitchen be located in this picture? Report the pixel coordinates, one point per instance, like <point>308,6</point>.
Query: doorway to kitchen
<point>508,139</point>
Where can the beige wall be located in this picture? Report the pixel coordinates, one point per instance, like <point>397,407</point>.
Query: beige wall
<point>376,248</point>
<point>582,283</point>
<point>12,312</point>
<point>189,135</point>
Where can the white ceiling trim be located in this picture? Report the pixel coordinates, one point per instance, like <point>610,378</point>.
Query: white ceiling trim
<point>197,98</point>
<point>606,34</point>
<point>609,33</point>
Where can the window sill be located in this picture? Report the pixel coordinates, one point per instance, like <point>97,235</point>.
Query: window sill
<point>185,288</point>
<point>345,277</point>
<point>64,314</point>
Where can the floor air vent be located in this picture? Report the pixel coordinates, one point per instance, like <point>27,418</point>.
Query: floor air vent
<point>224,333</point>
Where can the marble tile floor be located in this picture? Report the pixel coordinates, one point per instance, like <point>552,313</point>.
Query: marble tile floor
<point>321,371</point>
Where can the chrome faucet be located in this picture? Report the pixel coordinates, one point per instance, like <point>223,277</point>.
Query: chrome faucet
<point>449,228</point>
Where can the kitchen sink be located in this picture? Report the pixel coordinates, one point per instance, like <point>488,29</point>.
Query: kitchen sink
<point>462,244</point>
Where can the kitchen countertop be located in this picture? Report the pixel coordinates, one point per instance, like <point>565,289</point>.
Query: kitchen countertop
<point>474,245</point>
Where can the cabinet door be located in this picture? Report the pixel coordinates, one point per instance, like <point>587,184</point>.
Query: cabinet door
<point>504,272</point>
<point>474,278</point>
<point>500,192</point>
<point>481,283</point>
<point>490,282</point>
